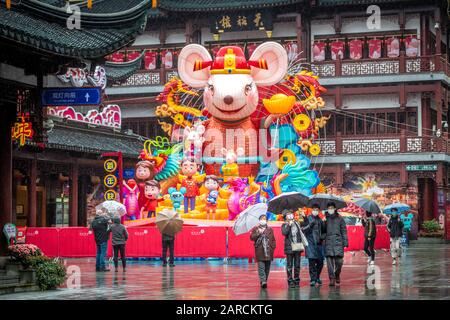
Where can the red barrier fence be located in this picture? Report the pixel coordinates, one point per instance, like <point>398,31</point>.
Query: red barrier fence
<point>192,241</point>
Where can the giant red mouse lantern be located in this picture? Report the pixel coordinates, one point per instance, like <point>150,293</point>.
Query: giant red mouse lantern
<point>230,96</point>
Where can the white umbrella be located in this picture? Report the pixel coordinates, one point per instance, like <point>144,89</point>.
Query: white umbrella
<point>249,218</point>
<point>112,208</point>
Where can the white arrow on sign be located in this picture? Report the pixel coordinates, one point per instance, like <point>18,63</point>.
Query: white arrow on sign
<point>87,97</point>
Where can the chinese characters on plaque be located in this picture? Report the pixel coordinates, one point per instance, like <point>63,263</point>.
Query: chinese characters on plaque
<point>242,21</point>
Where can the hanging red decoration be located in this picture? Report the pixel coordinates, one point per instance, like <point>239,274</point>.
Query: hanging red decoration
<point>374,48</point>
<point>412,45</point>
<point>150,60</point>
<point>337,50</point>
<point>319,51</point>
<point>355,49</point>
<point>393,47</point>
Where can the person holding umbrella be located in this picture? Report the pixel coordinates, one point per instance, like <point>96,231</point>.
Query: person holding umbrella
<point>335,241</point>
<point>294,243</point>
<point>265,244</point>
<point>100,226</point>
<point>315,234</point>
<point>169,223</point>
<point>370,233</point>
<point>395,228</point>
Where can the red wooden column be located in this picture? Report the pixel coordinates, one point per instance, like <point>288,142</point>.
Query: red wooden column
<point>32,194</point>
<point>5,171</point>
<point>300,37</point>
<point>73,221</point>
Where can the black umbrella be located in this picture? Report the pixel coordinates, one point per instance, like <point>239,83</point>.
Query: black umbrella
<point>322,200</point>
<point>287,200</point>
<point>368,205</point>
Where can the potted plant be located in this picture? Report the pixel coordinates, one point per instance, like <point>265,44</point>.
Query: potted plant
<point>431,229</point>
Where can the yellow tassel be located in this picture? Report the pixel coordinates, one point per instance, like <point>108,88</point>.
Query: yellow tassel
<point>154,4</point>
<point>89,4</point>
<point>8,4</point>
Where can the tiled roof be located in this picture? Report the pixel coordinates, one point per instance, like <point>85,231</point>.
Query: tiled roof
<point>218,5</point>
<point>122,70</point>
<point>42,25</point>
<point>354,2</point>
<point>73,138</point>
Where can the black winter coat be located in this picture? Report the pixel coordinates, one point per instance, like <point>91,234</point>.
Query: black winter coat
<point>336,236</point>
<point>119,234</point>
<point>395,228</point>
<point>315,234</point>
<point>286,232</point>
<point>101,229</point>
<point>370,228</point>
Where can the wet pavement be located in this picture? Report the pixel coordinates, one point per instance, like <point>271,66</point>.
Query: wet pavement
<point>423,273</point>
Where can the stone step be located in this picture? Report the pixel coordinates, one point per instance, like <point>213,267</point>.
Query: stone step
<point>425,240</point>
<point>9,280</point>
<point>17,288</point>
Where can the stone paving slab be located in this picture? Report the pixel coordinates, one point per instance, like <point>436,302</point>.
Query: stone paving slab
<point>423,273</point>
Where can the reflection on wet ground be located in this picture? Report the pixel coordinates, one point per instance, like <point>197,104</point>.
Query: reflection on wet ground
<point>423,273</point>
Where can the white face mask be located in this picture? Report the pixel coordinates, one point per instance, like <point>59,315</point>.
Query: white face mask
<point>263,222</point>
<point>290,216</point>
<point>331,211</point>
<point>315,213</point>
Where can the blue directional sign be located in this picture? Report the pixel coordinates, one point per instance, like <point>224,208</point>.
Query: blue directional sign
<point>71,96</point>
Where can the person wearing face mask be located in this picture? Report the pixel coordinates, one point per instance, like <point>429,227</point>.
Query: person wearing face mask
<point>315,234</point>
<point>395,228</point>
<point>265,244</point>
<point>335,241</point>
<point>294,243</point>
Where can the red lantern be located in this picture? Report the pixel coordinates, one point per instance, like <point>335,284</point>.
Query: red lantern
<point>412,45</point>
<point>374,48</point>
<point>319,51</point>
<point>355,49</point>
<point>393,47</point>
<point>337,50</point>
<point>150,60</point>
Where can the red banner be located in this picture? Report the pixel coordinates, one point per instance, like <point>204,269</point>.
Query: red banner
<point>374,48</point>
<point>412,45</point>
<point>144,242</point>
<point>201,242</point>
<point>150,60</point>
<point>356,51</point>
<point>47,239</point>
<point>192,241</point>
<point>76,242</point>
<point>393,47</point>
<point>319,51</point>
<point>337,50</point>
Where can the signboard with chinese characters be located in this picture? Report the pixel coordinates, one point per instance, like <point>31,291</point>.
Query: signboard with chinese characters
<point>71,96</point>
<point>421,167</point>
<point>242,21</point>
<point>22,129</point>
<point>110,180</point>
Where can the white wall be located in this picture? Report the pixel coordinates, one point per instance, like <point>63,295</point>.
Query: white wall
<point>322,27</point>
<point>359,24</point>
<point>175,36</point>
<point>373,101</point>
<point>148,38</point>
<point>137,111</point>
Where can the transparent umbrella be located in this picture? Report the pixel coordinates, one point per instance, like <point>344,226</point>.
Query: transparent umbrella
<point>249,218</point>
<point>112,208</point>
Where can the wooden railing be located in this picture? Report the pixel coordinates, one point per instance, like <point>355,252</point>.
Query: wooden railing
<point>325,69</point>
<point>381,66</point>
<point>148,78</point>
<point>385,145</point>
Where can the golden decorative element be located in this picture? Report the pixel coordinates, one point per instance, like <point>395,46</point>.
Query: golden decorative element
<point>279,103</point>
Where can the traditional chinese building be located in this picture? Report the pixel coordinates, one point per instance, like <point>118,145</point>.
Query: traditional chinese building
<point>45,182</point>
<point>386,72</point>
